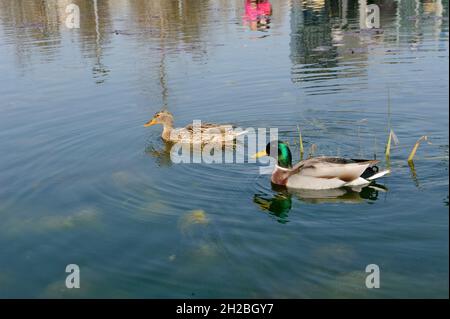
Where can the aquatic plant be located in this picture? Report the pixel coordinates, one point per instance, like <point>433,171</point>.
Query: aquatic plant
<point>392,138</point>
<point>312,150</point>
<point>302,150</point>
<point>416,147</point>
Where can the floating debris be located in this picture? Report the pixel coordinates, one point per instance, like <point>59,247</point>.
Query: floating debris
<point>357,50</point>
<point>120,32</point>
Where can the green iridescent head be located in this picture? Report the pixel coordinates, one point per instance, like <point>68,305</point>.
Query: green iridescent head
<point>281,151</point>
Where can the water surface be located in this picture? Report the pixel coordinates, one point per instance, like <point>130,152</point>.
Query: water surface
<point>82,181</point>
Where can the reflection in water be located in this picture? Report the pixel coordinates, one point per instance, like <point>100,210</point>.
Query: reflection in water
<point>31,25</point>
<point>257,14</point>
<point>40,24</point>
<point>161,154</point>
<point>413,173</point>
<point>32,22</point>
<point>70,145</point>
<point>169,27</point>
<point>320,44</point>
<point>100,71</point>
<point>174,25</point>
<point>280,204</point>
<point>327,41</point>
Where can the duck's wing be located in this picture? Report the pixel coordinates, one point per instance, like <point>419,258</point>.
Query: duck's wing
<point>217,133</point>
<point>210,126</point>
<point>333,168</point>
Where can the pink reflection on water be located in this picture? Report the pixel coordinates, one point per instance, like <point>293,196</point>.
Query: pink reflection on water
<point>257,14</point>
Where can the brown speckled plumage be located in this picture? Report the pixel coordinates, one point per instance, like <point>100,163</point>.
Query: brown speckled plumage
<point>206,133</point>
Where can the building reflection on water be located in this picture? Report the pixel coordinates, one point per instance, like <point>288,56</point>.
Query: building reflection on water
<point>324,44</point>
<point>38,27</point>
<point>326,41</point>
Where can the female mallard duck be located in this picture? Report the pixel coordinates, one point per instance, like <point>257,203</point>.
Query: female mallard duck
<point>205,133</point>
<point>320,172</point>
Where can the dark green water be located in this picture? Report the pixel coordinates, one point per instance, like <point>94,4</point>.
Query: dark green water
<point>82,181</point>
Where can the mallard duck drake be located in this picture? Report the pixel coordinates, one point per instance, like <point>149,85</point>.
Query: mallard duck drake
<point>206,133</point>
<point>319,172</point>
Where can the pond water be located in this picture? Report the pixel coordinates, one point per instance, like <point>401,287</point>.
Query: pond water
<point>83,182</point>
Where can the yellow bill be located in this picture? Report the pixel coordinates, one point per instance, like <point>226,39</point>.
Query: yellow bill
<point>260,154</point>
<point>150,123</point>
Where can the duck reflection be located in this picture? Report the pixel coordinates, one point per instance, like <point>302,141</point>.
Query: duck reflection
<point>280,204</point>
<point>161,153</point>
<point>257,14</point>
